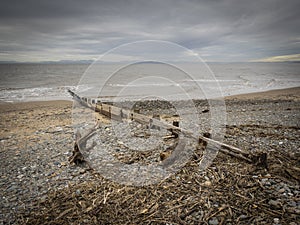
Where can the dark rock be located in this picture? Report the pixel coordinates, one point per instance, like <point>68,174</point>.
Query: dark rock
<point>275,203</point>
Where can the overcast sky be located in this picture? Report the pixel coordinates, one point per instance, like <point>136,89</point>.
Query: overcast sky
<point>225,30</point>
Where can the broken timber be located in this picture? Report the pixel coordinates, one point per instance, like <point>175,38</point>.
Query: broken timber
<point>117,113</point>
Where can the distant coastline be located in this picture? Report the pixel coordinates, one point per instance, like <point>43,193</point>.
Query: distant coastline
<point>147,62</point>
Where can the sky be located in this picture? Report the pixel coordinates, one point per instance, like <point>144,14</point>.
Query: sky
<point>223,31</point>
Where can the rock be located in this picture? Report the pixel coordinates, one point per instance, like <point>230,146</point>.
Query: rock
<point>63,163</point>
<point>82,171</point>
<point>213,221</point>
<point>43,199</point>
<point>164,155</point>
<point>56,163</point>
<point>12,188</point>
<point>20,176</point>
<point>287,189</point>
<point>120,142</point>
<point>242,217</point>
<point>264,180</point>
<point>297,211</point>
<point>292,203</point>
<point>78,192</point>
<point>59,129</point>
<point>276,221</point>
<point>207,183</point>
<point>275,203</point>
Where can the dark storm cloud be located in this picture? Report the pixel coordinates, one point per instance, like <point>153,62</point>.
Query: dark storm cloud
<point>219,30</point>
<point>41,9</point>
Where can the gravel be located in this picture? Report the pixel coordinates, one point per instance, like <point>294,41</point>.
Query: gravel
<point>35,144</point>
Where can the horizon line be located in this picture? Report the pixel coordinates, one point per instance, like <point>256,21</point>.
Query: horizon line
<point>114,62</point>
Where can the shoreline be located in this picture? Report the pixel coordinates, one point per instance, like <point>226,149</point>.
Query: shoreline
<point>10,106</point>
<point>285,93</point>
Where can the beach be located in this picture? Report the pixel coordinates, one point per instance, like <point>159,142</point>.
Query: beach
<point>39,186</point>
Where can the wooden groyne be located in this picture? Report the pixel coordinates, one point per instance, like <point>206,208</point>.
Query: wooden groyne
<point>116,113</point>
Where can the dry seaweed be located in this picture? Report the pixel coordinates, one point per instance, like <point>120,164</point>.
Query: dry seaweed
<point>230,191</point>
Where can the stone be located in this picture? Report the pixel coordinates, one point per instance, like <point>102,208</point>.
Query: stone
<point>82,171</point>
<point>292,203</point>
<point>276,220</point>
<point>213,221</point>
<point>12,199</point>
<point>63,163</point>
<point>242,217</point>
<point>207,183</point>
<point>264,180</point>
<point>120,142</point>
<point>43,199</point>
<point>20,176</point>
<point>56,163</point>
<point>275,203</point>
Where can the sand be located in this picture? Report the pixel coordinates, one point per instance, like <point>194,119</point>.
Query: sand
<point>288,93</point>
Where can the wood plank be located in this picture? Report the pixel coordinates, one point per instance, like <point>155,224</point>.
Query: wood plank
<point>117,113</point>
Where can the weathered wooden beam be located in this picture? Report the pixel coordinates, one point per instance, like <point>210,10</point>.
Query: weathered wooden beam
<point>80,144</point>
<point>117,113</point>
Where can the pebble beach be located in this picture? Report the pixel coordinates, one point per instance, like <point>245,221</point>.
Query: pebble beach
<point>37,139</point>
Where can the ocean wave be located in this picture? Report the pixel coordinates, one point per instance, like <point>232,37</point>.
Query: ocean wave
<point>40,93</point>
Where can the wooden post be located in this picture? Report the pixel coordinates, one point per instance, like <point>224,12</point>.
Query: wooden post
<point>105,109</point>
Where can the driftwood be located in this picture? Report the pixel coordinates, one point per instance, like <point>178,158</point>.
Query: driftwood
<point>119,114</point>
<point>80,144</point>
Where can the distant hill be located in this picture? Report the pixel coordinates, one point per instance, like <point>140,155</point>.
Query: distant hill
<point>51,62</point>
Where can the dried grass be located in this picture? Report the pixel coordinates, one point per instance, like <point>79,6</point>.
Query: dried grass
<point>228,190</point>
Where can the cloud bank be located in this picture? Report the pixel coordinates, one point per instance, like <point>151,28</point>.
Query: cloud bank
<point>225,30</point>
<point>281,58</point>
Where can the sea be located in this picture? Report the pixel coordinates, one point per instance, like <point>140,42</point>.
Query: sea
<point>41,82</point>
